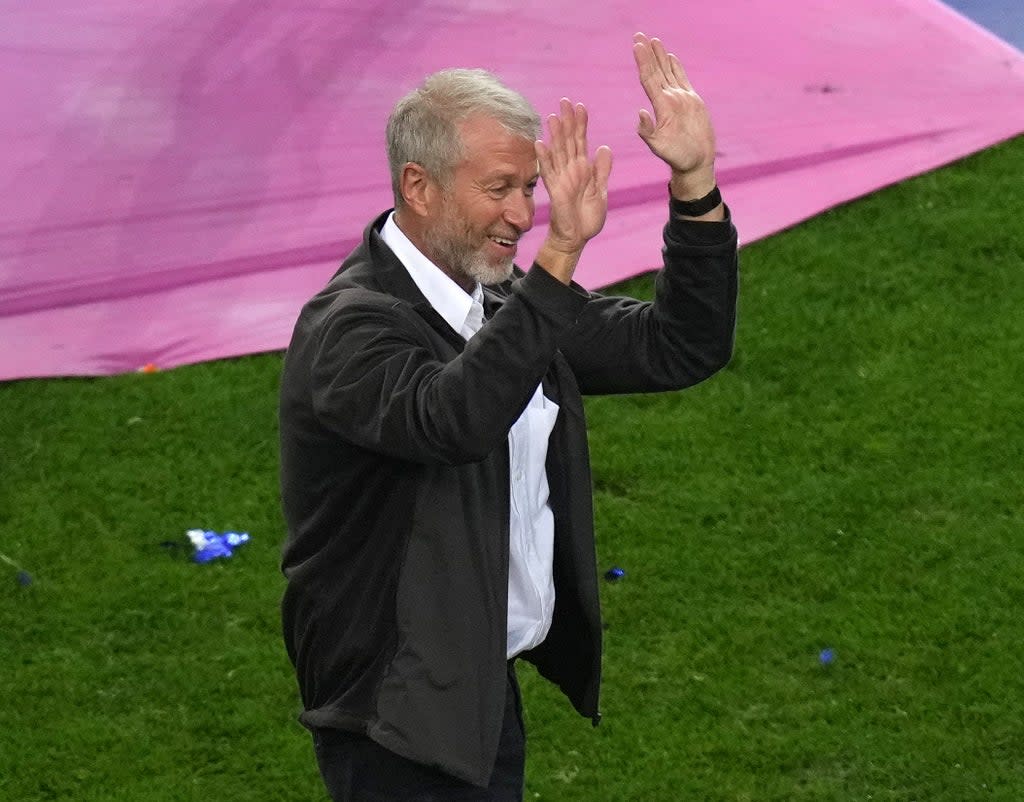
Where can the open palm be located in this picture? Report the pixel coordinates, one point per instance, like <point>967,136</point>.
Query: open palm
<point>576,184</point>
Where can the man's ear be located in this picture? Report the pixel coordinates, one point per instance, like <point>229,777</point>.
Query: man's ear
<point>417,188</point>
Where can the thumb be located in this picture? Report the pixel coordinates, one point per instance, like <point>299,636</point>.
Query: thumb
<point>645,127</point>
<point>602,168</point>
<point>543,159</point>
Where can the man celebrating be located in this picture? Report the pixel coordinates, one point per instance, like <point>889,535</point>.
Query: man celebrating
<point>434,466</point>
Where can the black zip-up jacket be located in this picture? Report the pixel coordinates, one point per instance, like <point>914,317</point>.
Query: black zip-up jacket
<point>395,482</point>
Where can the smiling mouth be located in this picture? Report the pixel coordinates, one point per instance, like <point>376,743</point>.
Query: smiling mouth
<point>505,242</point>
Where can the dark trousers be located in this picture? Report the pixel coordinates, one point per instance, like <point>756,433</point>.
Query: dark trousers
<point>356,769</point>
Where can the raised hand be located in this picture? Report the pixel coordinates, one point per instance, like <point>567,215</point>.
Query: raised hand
<point>679,132</point>
<point>576,184</point>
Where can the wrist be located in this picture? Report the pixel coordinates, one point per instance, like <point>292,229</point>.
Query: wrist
<point>559,260</point>
<point>693,184</point>
<point>699,208</point>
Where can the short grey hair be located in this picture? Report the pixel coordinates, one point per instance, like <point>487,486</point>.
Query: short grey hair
<point>424,125</point>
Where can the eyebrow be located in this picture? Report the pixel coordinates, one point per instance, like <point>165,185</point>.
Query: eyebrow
<point>509,178</point>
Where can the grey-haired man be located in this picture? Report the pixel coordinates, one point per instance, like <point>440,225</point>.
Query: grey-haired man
<point>434,464</point>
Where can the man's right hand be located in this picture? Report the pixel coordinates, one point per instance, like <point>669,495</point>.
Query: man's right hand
<point>577,187</point>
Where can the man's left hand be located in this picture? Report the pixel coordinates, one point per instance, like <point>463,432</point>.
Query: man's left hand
<point>679,132</point>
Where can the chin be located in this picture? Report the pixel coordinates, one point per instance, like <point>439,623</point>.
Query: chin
<point>487,273</point>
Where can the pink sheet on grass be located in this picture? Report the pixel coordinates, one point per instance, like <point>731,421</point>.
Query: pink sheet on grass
<point>177,178</point>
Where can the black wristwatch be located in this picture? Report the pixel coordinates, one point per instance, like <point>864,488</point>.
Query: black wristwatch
<point>695,208</point>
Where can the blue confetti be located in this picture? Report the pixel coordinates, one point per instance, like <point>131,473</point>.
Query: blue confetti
<point>210,545</point>
<point>614,574</point>
<point>24,577</point>
<point>826,656</point>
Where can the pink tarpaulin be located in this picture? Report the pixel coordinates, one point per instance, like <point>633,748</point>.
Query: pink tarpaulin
<point>177,178</point>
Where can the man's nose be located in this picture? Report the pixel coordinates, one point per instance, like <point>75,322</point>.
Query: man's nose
<point>519,210</point>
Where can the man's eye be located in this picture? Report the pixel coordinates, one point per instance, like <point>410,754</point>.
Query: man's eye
<point>528,190</point>
<point>498,192</point>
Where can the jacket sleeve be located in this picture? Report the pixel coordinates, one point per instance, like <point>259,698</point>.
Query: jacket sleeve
<point>378,382</point>
<point>621,345</point>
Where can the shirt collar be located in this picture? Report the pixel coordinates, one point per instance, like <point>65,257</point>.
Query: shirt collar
<point>449,300</point>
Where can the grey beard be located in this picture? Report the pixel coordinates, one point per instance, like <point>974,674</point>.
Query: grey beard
<point>469,262</point>
<point>486,273</point>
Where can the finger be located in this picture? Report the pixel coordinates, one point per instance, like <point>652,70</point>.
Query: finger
<point>642,39</point>
<point>647,68</point>
<point>567,121</point>
<point>556,140</point>
<point>566,125</point>
<point>580,132</point>
<point>679,72</point>
<point>602,169</point>
<point>560,133</point>
<point>664,63</point>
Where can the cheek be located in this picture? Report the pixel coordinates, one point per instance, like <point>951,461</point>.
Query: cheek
<point>489,215</point>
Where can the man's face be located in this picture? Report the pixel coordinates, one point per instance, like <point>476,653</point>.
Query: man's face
<point>473,231</point>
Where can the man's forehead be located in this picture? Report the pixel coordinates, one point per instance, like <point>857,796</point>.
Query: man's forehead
<point>488,133</point>
<point>495,151</point>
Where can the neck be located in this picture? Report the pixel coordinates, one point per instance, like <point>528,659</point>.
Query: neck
<point>409,224</point>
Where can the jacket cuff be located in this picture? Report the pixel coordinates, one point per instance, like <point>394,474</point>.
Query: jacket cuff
<point>683,231</point>
<point>550,296</point>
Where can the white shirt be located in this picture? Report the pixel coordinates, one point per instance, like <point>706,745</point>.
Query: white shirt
<point>531,586</point>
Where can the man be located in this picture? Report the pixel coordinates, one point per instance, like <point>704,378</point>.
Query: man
<point>435,474</point>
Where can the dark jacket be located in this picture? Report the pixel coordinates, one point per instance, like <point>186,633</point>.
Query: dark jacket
<point>395,485</point>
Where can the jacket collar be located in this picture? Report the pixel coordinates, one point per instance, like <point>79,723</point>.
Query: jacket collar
<point>373,265</point>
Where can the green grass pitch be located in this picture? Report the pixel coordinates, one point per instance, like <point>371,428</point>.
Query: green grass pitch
<point>852,481</point>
